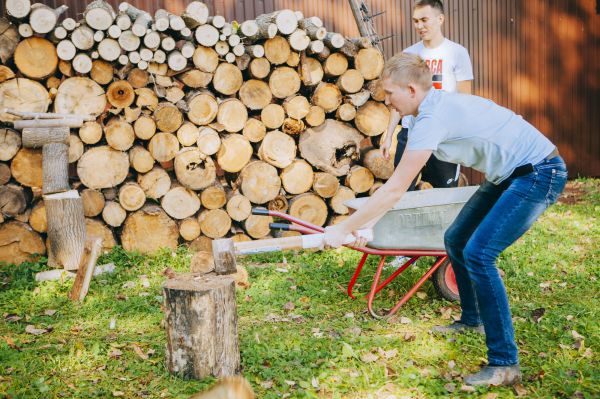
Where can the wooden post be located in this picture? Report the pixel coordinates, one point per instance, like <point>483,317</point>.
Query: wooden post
<point>201,324</point>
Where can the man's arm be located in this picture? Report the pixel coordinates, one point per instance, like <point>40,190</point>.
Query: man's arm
<point>465,87</point>
<point>382,200</point>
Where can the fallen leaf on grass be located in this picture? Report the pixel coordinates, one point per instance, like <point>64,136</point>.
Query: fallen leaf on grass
<point>387,354</point>
<point>405,320</point>
<point>450,387</point>
<point>409,336</point>
<point>117,394</point>
<point>446,313</point>
<point>491,395</point>
<point>588,353</point>
<point>50,312</point>
<point>421,295</point>
<point>369,357</point>
<point>138,351</point>
<point>520,390</point>
<point>169,273</point>
<point>11,317</point>
<point>289,306</point>
<point>451,364</point>
<point>30,329</point>
<point>267,384</point>
<point>11,343</point>
<point>467,388</point>
<point>115,353</point>
<point>290,383</point>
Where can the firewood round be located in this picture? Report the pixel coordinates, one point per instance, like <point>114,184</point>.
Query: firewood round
<point>144,127</point>
<point>255,94</point>
<point>232,115</point>
<point>102,72</point>
<point>359,179</point>
<point>325,184</point>
<point>272,116</point>
<point>342,195</point>
<point>140,158</point>
<point>36,57</point>
<point>113,164</point>
<point>372,118</point>
<point>155,183</point>
<point>327,96</point>
<point>163,146</point>
<point>213,197</point>
<point>187,134</point>
<point>346,112</point>
<point>168,117</point>
<point>113,214</point>
<point>336,64</point>
<point>131,196</point>
<point>351,81</point>
<point>254,130</point>
<point>22,95</point>
<point>214,223</point>
<point>296,107</point>
<point>234,154</point>
<point>369,61</point>
<point>194,170</point>
<point>26,167</point>
<point>205,59</point>
<point>260,182</point>
<point>180,202</point>
<point>284,82</point>
<point>203,108</point>
<point>96,228</point>
<point>297,178</point>
<point>277,149</point>
<point>239,207</point>
<point>277,50</point>
<point>10,143</point>
<point>120,94</point>
<point>119,134</point>
<point>148,230</point>
<point>309,207</point>
<point>189,229</point>
<point>93,202</point>
<point>227,79</point>
<point>310,71</point>
<point>258,226</point>
<point>259,68</point>
<point>315,116</point>
<point>79,95</point>
<point>75,148</point>
<point>37,219</point>
<point>208,141</point>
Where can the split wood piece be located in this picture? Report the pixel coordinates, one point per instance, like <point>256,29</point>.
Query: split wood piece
<point>277,50</point>
<point>81,96</point>
<point>146,98</point>
<point>227,79</point>
<point>257,226</point>
<point>199,346</point>
<point>297,178</point>
<point>187,134</point>
<point>254,130</point>
<point>155,183</point>
<point>119,134</point>
<point>214,223</point>
<point>113,214</point>
<point>277,149</point>
<point>149,229</point>
<point>359,179</point>
<point>195,78</point>
<point>234,154</point>
<point>376,89</point>
<point>209,141</point>
<point>201,244</point>
<point>272,116</point>
<point>335,65</point>
<point>194,170</point>
<point>189,229</point>
<point>315,116</point>
<point>22,94</point>
<point>325,184</point>
<point>292,126</point>
<point>196,14</point>
<point>346,112</point>
<point>358,99</point>
<point>66,229</point>
<point>309,207</point>
<point>113,164</point>
<point>296,107</point>
<point>140,159</point>
<point>327,96</point>
<point>232,115</point>
<point>259,68</point>
<point>331,147</point>
<point>239,207</point>
<point>18,8</point>
<point>202,106</point>
<point>83,38</point>
<point>350,81</point>
<point>206,35</point>
<point>102,72</point>
<point>377,164</point>
<point>144,127</point>
<point>37,219</point>
<point>9,38</point>
<point>43,18</point>
<point>26,167</point>
<point>97,228</point>
<point>81,285</point>
<point>13,200</point>
<point>255,94</point>
<point>55,166</point>
<point>93,202</point>
<point>372,118</point>
<point>259,182</point>
<point>4,173</point>
<point>180,203</point>
<point>6,73</point>
<point>213,197</point>
<point>369,62</point>
<point>342,195</point>
<point>310,70</point>
<point>36,57</point>
<point>284,82</point>
<point>10,143</point>
<point>19,243</point>
<point>163,146</point>
<point>168,117</point>
<point>66,68</point>
<point>131,196</point>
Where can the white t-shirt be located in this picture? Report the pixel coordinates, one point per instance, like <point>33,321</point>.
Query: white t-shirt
<point>449,63</point>
<point>476,132</point>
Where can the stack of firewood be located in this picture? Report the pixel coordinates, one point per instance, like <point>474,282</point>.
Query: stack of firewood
<point>197,120</point>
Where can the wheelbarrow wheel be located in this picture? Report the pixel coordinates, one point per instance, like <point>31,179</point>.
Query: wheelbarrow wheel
<point>444,281</point>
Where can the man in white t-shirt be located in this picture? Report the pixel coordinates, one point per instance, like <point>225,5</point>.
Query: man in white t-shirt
<point>451,68</point>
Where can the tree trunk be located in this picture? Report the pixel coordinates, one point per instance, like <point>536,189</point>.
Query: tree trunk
<point>214,223</point>
<point>331,147</point>
<point>180,203</point>
<point>277,149</point>
<point>19,243</point>
<point>202,344</point>
<point>66,229</point>
<point>325,184</point>
<point>155,183</point>
<point>260,182</point>
<point>234,154</point>
<point>113,164</point>
<point>194,170</point>
<point>148,230</point>
<point>342,195</point>
<point>297,178</point>
<point>93,202</point>
<point>55,168</point>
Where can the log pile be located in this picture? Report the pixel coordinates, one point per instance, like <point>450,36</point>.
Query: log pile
<point>196,121</point>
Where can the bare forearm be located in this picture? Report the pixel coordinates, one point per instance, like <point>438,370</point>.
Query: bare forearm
<point>394,120</point>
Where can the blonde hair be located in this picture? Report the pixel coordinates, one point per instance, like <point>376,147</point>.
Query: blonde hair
<point>405,68</point>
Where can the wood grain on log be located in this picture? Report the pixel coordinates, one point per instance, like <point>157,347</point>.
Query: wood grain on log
<point>66,229</point>
<point>149,229</point>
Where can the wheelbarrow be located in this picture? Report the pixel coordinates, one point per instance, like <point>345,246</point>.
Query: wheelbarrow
<point>413,228</point>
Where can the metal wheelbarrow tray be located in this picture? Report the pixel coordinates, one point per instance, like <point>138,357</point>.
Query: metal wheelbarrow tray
<point>413,228</point>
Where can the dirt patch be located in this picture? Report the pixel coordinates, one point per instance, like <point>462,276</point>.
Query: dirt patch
<point>574,193</point>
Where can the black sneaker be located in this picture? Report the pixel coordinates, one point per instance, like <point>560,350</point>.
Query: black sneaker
<point>495,376</point>
<point>457,327</point>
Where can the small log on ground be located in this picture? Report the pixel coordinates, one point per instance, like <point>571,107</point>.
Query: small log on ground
<point>202,344</point>
<point>66,229</point>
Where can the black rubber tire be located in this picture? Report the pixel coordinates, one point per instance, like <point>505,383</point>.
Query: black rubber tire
<point>440,284</point>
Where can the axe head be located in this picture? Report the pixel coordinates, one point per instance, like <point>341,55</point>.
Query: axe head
<point>224,256</point>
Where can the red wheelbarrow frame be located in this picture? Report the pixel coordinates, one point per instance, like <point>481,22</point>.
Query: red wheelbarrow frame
<point>309,228</point>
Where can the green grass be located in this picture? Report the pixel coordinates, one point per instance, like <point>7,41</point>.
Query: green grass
<point>326,346</point>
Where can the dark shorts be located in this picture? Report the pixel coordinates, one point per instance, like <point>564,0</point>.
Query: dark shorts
<point>439,173</point>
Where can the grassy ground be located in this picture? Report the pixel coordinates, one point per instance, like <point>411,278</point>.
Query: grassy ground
<point>302,337</point>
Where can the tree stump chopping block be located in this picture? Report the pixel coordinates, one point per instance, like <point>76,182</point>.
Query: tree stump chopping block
<point>201,324</point>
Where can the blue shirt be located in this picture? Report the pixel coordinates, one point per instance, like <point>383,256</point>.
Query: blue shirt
<point>476,132</point>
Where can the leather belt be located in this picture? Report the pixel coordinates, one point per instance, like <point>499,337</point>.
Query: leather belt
<point>528,168</point>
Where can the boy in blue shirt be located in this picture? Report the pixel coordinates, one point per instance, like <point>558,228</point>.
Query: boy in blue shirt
<point>524,175</point>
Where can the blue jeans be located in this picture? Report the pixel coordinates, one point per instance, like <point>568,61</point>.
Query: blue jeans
<point>494,218</point>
